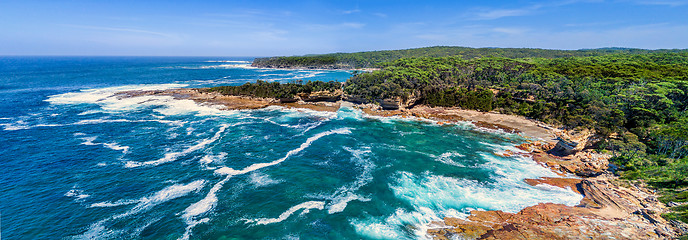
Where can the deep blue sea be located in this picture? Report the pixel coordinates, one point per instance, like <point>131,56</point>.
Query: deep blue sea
<point>77,162</point>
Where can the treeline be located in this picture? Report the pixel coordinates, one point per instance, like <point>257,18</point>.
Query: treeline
<point>297,61</point>
<point>265,89</point>
<point>372,59</point>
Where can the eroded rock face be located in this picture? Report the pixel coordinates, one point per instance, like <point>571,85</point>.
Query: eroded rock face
<point>321,96</point>
<point>389,104</point>
<point>571,142</point>
<point>565,147</point>
<point>553,221</point>
<point>354,99</point>
<point>610,209</point>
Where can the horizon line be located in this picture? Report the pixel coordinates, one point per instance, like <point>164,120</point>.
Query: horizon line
<point>260,56</point>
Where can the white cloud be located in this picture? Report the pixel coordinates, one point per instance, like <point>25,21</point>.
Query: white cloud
<point>593,24</point>
<point>116,29</point>
<point>501,13</point>
<point>382,15</point>
<point>334,27</point>
<point>353,25</point>
<point>663,3</point>
<point>270,35</point>
<point>510,30</point>
<point>491,14</point>
<point>351,11</point>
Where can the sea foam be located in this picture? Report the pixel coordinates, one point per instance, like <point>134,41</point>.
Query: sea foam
<point>110,145</point>
<point>110,102</point>
<point>434,197</point>
<point>98,230</point>
<point>173,156</point>
<point>192,214</point>
<point>345,194</point>
<point>306,206</point>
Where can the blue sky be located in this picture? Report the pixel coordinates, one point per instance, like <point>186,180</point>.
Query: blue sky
<point>282,27</point>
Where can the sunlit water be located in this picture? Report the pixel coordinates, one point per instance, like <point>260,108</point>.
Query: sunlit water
<point>77,162</point>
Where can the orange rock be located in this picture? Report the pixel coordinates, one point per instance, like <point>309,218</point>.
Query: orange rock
<point>571,183</point>
<point>525,146</point>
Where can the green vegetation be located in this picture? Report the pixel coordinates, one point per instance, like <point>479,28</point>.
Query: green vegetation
<point>374,58</point>
<point>265,89</point>
<point>297,61</point>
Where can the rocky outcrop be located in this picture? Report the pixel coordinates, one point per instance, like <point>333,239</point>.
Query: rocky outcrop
<point>288,100</point>
<point>610,209</point>
<point>321,96</point>
<point>388,104</point>
<point>571,142</point>
<point>549,221</point>
<point>229,102</point>
<point>607,211</point>
<point>565,147</point>
<point>354,99</point>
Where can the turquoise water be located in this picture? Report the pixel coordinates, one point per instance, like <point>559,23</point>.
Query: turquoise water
<point>80,163</point>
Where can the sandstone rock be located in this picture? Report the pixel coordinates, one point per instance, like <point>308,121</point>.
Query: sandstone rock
<point>608,211</point>
<point>588,173</point>
<point>570,183</point>
<point>526,146</point>
<point>288,100</point>
<point>681,227</point>
<point>354,99</point>
<point>389,104</point>
<point>321,96</point>
<point>572,142</point>
<point>566,147</point>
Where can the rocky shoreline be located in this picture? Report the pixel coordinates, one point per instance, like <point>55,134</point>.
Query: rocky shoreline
<point>611,208</point>
<point>231,102</point>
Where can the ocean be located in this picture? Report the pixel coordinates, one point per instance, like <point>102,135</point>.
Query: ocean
<point>77,162</point>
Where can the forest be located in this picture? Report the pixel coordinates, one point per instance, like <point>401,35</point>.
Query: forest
<point>263,89</point>
<point>373,59</point>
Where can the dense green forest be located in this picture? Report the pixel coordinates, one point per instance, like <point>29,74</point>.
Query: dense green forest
<point>374,58</point>
<point>265,89</point>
